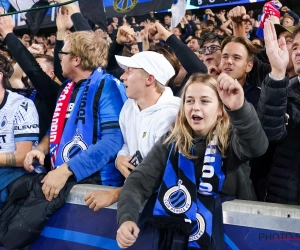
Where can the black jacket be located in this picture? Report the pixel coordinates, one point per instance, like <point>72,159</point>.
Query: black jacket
<point>276,100</point>
<point>246,134</point>
<point>47,89</point>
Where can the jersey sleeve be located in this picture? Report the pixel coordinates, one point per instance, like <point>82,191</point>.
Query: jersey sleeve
<point>26,122</point>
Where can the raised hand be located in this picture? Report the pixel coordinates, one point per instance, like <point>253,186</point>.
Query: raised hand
<point>127,234</point>
<point>238,14</point>
<point>276,50</point>
<point>36,49</point>
<point>63,19</point>
<point>158,32</point>
<point>138,37</point>
<point>125,35</point>
<point>214,71</point>
<point>6,24</point>
<point>230,91</point>
<point>209,12</point>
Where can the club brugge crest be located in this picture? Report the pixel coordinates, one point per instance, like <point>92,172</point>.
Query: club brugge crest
<point>124,6</point>
<point>3,123</point>
<point>177,199</point>
<point>73,147</point>
<point>198,229</point>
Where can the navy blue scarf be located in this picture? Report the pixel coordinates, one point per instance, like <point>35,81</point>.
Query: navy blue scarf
<point>77,134</point>
<point>183,207</point>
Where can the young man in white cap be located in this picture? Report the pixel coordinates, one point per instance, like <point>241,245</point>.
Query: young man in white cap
<point>145,116</point>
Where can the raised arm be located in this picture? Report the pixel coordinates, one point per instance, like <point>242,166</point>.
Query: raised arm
<point>45,86</point>
<point>238,16</point>
<point>247,132</point>
<point>273,99</point>
<point>188,59</point>
<point>63,23</point>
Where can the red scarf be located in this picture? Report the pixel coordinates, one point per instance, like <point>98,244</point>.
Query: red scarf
<point>58,120</point>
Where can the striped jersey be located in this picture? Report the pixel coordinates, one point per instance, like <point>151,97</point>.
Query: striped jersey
<point>19,121</point>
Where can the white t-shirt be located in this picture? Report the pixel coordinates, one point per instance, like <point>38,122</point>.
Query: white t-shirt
<point>19,121</point>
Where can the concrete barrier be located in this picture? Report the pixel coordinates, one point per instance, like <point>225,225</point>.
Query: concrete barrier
<point>248,225</point>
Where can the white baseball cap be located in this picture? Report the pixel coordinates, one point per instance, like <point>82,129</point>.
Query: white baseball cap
<point>152,62</point>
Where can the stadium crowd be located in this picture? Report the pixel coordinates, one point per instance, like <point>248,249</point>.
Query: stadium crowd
<point>205,112</point>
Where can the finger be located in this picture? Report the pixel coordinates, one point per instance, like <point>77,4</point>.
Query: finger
<point>88,201</point>
<point>243,11</point>
<point>125,172</point>
<point>245,17</point>
<point>282,44</point>
<point>46,190</point>
<point>56,193</point>
<point>126,237</point>
<point>231,88</point>
<point>51,194</point>
<point>135,231</point>
<point>273,31</point>
<point>121,244</point>
<point>41,158</point>
<point>92,205</point>
<point>131,166</point>
<point>87,196</point>
<point>29,168</point>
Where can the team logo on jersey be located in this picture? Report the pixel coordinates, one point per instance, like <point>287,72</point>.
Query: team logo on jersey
<point>24,105</point>
<point>123,6</point>
<point>177,199</point>
<point>3,123</point>
<point>73,147</point>
<point>198,229</point>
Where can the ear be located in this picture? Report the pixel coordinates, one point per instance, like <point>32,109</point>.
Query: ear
<point>52,75</point>
<point>249,66</point>
<point>76,61</point>
<point>150,80</point>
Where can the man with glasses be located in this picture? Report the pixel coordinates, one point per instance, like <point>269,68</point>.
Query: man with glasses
<point>85,135</point>
<point>210,49</point>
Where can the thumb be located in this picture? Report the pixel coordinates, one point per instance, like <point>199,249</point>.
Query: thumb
<point>245,17</point>
<point>41,160</point>
<point>135,231</point>
<point>44,179</point>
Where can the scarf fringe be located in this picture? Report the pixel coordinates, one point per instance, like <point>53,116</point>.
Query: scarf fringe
<point>172,223</point>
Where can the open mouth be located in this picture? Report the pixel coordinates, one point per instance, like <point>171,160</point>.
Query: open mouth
<point>196,118</point>
<point>227,69</point>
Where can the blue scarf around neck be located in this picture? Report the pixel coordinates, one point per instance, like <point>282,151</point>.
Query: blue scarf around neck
<point>181,205</point>
<point>78,131</point>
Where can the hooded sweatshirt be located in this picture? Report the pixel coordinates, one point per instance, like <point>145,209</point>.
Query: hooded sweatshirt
<point>142,128</point>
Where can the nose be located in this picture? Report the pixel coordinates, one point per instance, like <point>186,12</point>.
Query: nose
<point>123,77</point>
<point>196,106</point>
<point>229,60</point>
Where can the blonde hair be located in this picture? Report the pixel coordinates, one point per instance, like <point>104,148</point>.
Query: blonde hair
<point>90,47</point>
<point>182,133</point>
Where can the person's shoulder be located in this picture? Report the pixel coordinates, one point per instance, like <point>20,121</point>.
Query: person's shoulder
<point>16,98</point>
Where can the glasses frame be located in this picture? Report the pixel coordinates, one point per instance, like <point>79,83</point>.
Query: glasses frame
<point>61,53</point>
<point>211,49</point>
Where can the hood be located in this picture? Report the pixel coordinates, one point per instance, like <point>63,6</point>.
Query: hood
<point>166,101</point>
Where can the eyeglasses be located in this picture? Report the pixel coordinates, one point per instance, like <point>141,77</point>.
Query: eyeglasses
<point>211,49</point>
<point>61,53</point>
